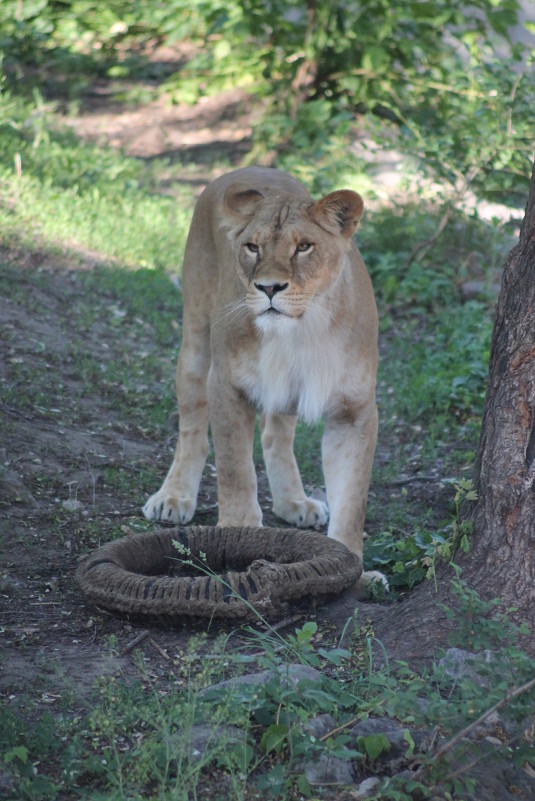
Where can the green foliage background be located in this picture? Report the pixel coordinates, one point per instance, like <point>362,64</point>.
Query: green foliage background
<point>424,73</point>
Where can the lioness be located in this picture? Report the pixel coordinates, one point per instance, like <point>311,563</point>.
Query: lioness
<point>279,313</point>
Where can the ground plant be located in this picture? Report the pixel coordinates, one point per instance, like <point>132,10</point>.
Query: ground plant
<point>91,240</point>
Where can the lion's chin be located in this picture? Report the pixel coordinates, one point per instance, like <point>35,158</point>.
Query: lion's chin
<point>272,321</point>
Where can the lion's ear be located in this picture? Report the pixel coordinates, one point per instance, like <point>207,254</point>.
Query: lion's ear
<point>343,208</point>
<point>240,198</point>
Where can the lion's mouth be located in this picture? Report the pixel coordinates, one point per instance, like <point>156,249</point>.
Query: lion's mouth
<point>271,311</point>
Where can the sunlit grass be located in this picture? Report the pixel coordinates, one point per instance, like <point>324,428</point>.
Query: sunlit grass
<point>66,193</point>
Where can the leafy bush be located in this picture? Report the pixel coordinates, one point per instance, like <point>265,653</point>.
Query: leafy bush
<point>322,63</point>
<point>411,557</point>
<point>430,71</point>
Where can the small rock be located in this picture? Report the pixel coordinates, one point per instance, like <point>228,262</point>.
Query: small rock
<point>13,489</point>
<point>394,733</point>
<point>7,783</point>
<point>458,664</point>
<point>72,505</point>
<point>320,725</point>
<point>205,737</point>
<point>367,787</point>
<point>293,673</point>
<point>327,770</point>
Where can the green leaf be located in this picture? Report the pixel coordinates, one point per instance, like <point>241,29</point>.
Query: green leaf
<point>305,634</point>
<point>408,739</point>
<point>373,745</point>
<point>423,10</point>
<point>233,755</point>
<point>19,752</point>
<point>303,786</point>
<point>334,655</point>
<point>378,57</point>
<point>274,738</point>
<point>221,50</point>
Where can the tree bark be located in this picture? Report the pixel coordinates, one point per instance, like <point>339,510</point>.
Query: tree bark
<point>501,561</point>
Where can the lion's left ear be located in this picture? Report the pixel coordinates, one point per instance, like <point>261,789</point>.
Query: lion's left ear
<point>343,208</point>
<point>241,199</point>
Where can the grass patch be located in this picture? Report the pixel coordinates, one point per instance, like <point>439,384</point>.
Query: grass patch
<point>81,196</point>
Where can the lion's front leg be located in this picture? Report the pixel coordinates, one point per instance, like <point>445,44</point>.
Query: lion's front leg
<point>232,421</point>
<point>348,449</point>
<point>176,500</point>
<point>289,499</point>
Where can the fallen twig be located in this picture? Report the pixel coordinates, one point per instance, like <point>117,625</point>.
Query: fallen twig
<point>282,624</point>
<point>411,479</point>
<point>132,644</point>
<point>159,649</point>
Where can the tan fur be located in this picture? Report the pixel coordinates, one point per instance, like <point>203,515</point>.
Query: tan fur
<point>316,357</point>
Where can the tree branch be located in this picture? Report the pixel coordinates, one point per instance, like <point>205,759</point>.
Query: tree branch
<point>450,744</point>
<point>419,251</point>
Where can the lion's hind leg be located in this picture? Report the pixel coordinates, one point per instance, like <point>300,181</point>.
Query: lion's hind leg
<point>289,499</point>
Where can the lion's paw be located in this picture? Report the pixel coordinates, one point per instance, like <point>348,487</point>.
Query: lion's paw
<point>371,577</point>
<point>303,514</point>
<point>371,584</point>
<point>168,508</point>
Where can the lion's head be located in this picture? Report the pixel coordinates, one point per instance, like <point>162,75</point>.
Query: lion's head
<point>289,250</point>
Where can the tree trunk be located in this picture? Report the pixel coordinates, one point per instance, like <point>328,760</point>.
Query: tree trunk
<point>501,561</point>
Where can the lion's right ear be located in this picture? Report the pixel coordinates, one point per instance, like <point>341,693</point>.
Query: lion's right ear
<point>241,199</point>
<point>342,209</point>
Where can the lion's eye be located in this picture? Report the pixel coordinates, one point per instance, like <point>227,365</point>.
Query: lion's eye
<point>304,247</point>
<point>252,247</point>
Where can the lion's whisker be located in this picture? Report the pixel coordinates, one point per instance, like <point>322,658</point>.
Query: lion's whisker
<point>317,311</point>
<point>232,311</point>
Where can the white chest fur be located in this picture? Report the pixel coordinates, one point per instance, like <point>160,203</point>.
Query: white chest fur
<point>298,370</point>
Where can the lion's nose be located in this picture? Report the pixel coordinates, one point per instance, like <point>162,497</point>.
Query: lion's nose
<point>271,289</point>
